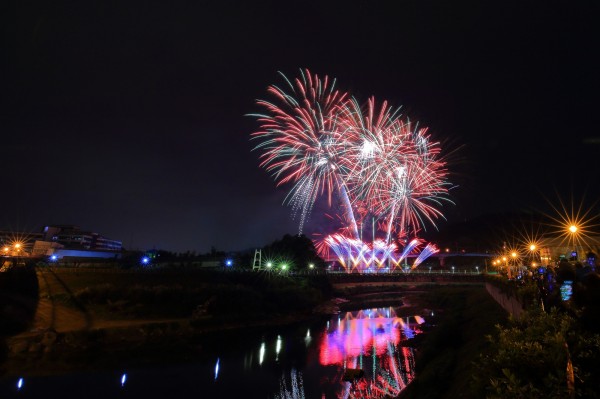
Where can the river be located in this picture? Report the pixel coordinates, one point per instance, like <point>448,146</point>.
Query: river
<point>304,361</point>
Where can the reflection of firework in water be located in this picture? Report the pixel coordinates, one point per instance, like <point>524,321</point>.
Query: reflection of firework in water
<point>379,166</point>
<point>369,340</point>
<point>293,389</point>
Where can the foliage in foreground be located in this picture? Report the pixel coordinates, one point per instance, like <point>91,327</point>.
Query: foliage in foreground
<point>542,355</point>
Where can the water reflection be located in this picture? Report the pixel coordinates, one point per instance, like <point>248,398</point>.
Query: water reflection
<point>369,340</point>
<point>278,347</point>
<point>292,389</point>
<point>261,354</point>
<point>298,362</point>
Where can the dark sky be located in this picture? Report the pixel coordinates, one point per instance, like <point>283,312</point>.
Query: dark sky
<point>128,119</point>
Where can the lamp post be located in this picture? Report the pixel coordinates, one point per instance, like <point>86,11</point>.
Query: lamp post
<point>533,248</point>
<point>573,229</point>
<point>514,256</point>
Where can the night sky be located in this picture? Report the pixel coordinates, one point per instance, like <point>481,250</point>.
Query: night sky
<point>129,119</point>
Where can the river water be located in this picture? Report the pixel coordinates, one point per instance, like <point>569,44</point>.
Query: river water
<point>306,361</point>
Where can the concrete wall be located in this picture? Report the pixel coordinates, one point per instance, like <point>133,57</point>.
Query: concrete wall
<point>510,303</point>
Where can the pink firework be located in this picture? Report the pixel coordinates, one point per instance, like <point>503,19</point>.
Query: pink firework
<point>297,136</point>
<point>394,168</point>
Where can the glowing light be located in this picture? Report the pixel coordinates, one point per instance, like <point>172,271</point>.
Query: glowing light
<point>53,257</point>
<point>145,260</point>
<point>269,264</point>
<point>278,345</point>
<point>566,290</point>
<point>532,247</point>
<point>368,148</point>
<point>123,379</point>
<point>228,262</point>
<point>283,267</point>
<point>20,383</point>
<point>261,353</point>
<point>217,369</point>
<point>573,228</point>
<point>311,266</point>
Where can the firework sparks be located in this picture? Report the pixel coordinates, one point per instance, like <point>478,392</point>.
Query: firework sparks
<point>372,160</point>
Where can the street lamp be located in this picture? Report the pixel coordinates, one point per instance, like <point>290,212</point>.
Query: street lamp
<point>532,248</point>
<point>514,256</point>
<point>573,229</point>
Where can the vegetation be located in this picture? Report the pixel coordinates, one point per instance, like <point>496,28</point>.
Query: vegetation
<point>222,296</point>
<point>553,353</point>
<point>542,355</point>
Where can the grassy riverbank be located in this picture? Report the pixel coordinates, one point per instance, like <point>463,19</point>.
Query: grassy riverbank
<point>74,320</point>
<point>445,356</point>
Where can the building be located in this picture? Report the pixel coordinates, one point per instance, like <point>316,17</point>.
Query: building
<point>73,237</point>
<point>59,241</point>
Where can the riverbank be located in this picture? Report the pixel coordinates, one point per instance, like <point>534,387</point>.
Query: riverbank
<point>93,320</point>
<point>133,344</point>
<point>446,353</point>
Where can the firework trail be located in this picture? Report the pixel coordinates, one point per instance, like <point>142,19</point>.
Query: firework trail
<point>429,250</point>
<point>375,162</point>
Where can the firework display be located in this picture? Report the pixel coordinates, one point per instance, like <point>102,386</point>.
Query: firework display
<point>377,166</point>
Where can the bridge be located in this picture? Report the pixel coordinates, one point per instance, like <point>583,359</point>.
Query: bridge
<point>443,277</point>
